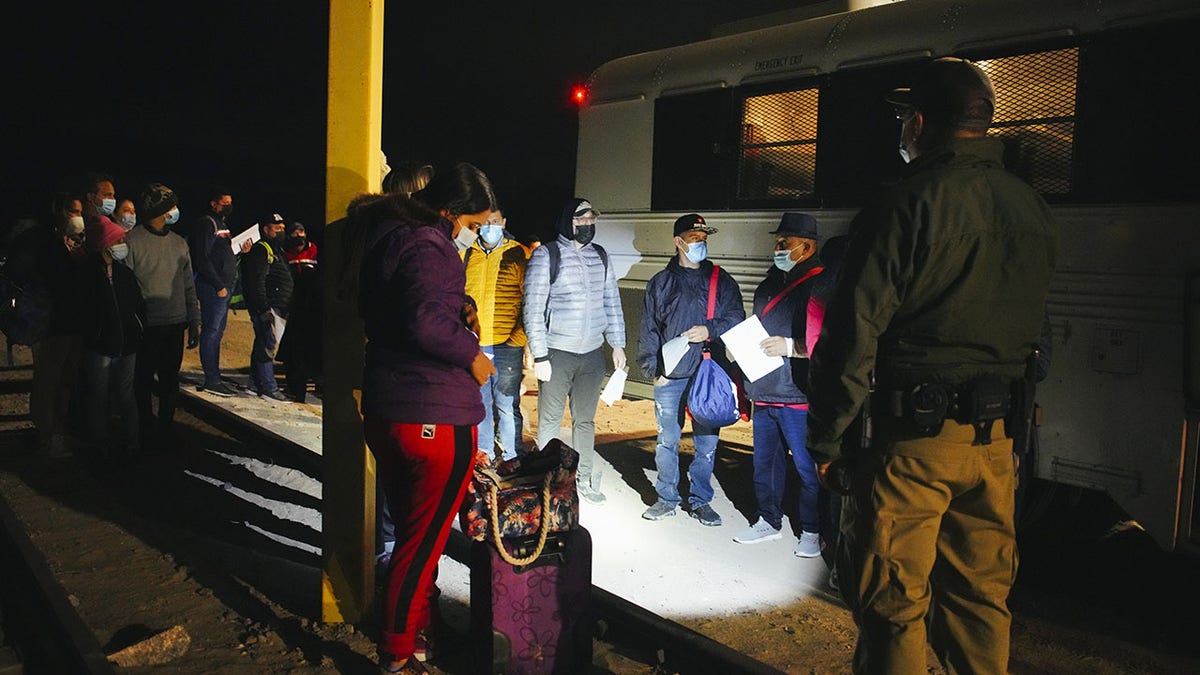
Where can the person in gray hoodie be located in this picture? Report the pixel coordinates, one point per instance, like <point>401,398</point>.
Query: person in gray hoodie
<point>162,265</point>
<point>571,307</point>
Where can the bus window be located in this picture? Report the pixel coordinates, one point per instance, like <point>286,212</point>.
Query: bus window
<point>1035,115</point>
<point>691,151</point>
<point>778,146</point>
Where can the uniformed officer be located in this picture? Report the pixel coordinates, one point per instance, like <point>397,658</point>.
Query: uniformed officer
<point>941,298</point>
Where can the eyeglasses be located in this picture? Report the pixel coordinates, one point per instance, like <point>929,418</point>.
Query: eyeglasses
<point>584,220</point>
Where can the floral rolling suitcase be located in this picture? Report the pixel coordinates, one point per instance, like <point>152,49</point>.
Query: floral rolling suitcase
<point>534,618</point>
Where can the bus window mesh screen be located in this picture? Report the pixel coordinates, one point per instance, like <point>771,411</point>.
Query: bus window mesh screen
<point>1035,115</point>
<point>778,146</point>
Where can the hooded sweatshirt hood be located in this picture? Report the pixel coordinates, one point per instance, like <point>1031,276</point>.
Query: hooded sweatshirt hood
<point>565,224</point>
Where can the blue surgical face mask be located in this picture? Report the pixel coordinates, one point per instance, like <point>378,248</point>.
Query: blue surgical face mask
<point>491,234</point>
<point>172,216</point>
<point>783,260</point>
<point>904,154</point>
<point>119,251</point>
<point>128,220</point>
<point>697,251</point>
<point>107,206</point>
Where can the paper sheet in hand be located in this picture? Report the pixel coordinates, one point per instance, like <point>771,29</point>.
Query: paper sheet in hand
<point>743,341</point>
<point>615,387</point>
<point>672,352</point>
<point>250,233</point>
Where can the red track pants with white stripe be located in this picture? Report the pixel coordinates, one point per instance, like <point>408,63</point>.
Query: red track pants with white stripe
<point>424,470</point>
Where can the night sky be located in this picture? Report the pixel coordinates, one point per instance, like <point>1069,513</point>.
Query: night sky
<point>192,94</point>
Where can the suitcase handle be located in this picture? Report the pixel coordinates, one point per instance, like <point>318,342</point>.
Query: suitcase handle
<point>545,528</point>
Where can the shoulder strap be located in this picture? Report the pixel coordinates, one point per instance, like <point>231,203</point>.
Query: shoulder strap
<point>270,252</point>
<point>467,257</point>
<point>791,287</point>
<point>712,292</point>
<point>556,259</point>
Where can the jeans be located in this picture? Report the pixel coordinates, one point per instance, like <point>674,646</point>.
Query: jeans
<point>214,311</point>
<point>578,376</point>
<point>501,402</point>
<point>670,404</point>
<point>262,353</point>
<point>161,355</point>
<point>109,390</point>
<point>776,430</point>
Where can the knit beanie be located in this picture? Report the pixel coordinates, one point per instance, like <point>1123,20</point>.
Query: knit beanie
<point>103,233</point>
<point>156,200</point>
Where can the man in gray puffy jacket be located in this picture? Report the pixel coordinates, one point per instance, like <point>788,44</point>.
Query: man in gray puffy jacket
<point>571,307</point>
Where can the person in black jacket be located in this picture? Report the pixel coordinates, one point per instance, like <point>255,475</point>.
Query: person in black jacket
<point>216,270</point>
<point>116,314</point>
<point>267,286</point>
<point>677,306</point>
<point>780,419</point>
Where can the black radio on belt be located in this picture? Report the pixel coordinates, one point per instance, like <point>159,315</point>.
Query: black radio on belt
<point>928,405</point>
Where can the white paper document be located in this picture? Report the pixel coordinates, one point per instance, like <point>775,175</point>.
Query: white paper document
<point>615,387</point>
<point>743,342</point>
<point>673,351</point>
<point>250,233</point>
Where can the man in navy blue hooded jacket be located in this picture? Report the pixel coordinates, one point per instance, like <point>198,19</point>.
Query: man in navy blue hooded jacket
<point>677,306</point>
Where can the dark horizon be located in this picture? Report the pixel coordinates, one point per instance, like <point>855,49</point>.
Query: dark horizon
<point>194,96</point>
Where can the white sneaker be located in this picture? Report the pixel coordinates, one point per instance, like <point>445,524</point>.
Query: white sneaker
<point>809,545</point>
<point>758,533</point>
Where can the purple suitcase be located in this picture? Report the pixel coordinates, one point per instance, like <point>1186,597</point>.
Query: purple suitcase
<point>533,619</point>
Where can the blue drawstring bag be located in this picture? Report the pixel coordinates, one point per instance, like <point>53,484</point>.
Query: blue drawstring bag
<point>713,399</point>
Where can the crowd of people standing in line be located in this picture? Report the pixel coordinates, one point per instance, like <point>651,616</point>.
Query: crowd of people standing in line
<point>108,295</point>
<point>923,496</point>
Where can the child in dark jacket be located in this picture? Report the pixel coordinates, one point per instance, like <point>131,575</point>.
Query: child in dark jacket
<point>115,315</point>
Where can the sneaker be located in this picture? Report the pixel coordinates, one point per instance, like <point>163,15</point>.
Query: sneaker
<point>705,514</point>
<point>410,666</point>
<point>659,510</point>
<point>591,495</point>
<point>274,396</point>
<point>809,545</point>
<point>758,533</point>
<point>219,389</point>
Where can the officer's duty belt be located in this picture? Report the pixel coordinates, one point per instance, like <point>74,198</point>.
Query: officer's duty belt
<point>926,406</point>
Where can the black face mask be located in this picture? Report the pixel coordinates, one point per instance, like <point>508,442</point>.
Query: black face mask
<point>297,243</point>
<point>226,211</point>
<point>584,234</point>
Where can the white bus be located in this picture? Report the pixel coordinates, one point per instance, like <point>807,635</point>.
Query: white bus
<point>1099,104</point>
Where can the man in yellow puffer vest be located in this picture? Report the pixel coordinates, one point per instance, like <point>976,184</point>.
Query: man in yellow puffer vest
<point>495,268</point>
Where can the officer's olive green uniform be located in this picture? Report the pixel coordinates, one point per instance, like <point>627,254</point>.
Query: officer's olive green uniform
<point>945,281</point>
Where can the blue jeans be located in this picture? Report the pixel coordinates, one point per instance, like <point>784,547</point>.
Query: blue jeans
<point>214,311</point>
<point>670,404</point>
<point>777,430</point>
<point>262,354</point>
<point>502,421</point>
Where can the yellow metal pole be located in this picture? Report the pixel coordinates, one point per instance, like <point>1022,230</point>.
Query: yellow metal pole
<point>355,113</point>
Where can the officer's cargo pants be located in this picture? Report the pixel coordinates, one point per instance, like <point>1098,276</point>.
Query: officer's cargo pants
<point>929,530</point>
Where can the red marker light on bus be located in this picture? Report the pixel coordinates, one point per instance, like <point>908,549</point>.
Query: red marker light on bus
<point>579,94</point>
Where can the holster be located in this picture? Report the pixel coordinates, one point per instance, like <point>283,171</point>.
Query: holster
<point>924,408</point>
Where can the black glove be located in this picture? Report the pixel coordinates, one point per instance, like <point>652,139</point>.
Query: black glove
<point>193,332</point>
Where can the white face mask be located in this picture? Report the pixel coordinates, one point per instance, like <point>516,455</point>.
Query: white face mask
<point>76,224</point>
<point>465,238</point>
<point>107,206</point>
<point>172,216</point>
<point>904,154</point>
<point>128,220</point>
<point>783,260</point>
<point>697,251</point>
<point>119,251</point>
